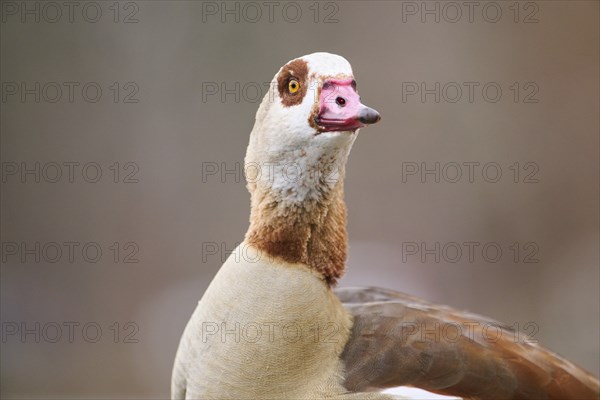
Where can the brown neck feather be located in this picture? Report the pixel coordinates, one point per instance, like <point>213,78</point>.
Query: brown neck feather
<point>311,232</point>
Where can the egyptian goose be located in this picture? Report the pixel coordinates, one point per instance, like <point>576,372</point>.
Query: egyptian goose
<point>271,326</point>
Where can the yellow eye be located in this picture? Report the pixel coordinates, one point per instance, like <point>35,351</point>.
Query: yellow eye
<point>293,86</point>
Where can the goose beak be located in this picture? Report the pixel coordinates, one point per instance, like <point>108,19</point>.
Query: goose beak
<point>367,115</point>
<point>340,108</point>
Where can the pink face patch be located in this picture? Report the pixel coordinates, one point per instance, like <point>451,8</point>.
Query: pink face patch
<point>340,108</point>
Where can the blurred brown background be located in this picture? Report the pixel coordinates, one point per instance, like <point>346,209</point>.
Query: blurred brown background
<point>177,213</point>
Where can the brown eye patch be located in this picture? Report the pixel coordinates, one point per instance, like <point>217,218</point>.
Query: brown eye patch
<point>294,70</point>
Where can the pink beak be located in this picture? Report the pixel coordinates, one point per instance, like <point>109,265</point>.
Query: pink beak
<point>340,108</point>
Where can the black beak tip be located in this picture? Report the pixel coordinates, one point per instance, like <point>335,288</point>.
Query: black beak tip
<point>368,116</point>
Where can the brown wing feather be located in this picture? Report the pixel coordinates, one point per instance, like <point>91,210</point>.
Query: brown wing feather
<point>400,340</point>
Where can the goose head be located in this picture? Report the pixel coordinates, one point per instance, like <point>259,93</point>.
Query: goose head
<point>305,127</point>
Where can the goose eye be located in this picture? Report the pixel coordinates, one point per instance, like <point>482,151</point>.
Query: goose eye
<point>293,86</point>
